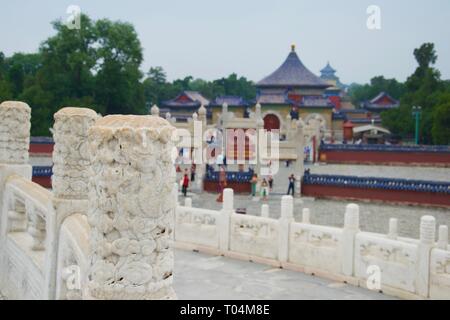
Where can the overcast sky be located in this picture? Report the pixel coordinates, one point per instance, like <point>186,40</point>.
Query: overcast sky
<point>210,39</point>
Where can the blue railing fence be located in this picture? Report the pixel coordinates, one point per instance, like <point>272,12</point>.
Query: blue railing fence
<point>42,171</point>
<point>384,148</point>
<point>231,176</point>
<point>377,183</point>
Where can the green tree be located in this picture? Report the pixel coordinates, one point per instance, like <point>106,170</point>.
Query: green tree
<point>20,68</point>
<point>5,87</point>
<point>441,124</point>
<point>424,88</point>
<point>119,55</point>
<point>96,66</point>
<point>360,93</point>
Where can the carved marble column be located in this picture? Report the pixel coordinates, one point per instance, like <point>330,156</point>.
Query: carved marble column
<point>306,216</point>
<point>443,237</point>
<point>265,213</point>
<point>201,167</point>
<point>14,143</point>
<point>427,242</point>
<point>14,132</point>
<point>285,220</point>
<point>225,219</point>
<point>71,173</point>
<point>131,208</point>
<point>351,228</point>
<point>71,163</point>
<point>259,128</point>
<point>300,151</point>
<point>154,111</point>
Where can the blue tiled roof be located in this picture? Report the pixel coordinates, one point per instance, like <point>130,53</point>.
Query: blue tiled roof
<point>292,73</point>
<point>328,70</point>
<point>230,101</point>
<point>172,103</point>
<point>339,116</point>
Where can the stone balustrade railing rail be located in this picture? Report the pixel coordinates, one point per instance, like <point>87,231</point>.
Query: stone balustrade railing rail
<point>402,267</point>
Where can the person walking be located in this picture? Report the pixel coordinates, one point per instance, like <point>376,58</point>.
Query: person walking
<point>254,182</point>
<point>291,185</point>
<point>264,189</point>
<point>193,167</point>
<point>270,180</point>
<point>185,183</point>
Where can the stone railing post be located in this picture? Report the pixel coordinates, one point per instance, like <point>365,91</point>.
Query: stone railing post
<point>71,162</point>
<point>393,229</point>
<point>286,218</point>
<point>351,228</point>
<point>265,211</point>
<point>443,237</point>
<point>201,167</point>
<point>300,150</point>
<point>260,135</point>
<point>306,216</point>
<point>154,111</point>
<point>71,173</point>
<point>131,208</point>
<point>427,242</point>
<point>14,132</point>
<point>14,144</point>
<point>225,217</point>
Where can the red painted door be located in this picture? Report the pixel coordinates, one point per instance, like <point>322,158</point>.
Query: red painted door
<point>271,122</point>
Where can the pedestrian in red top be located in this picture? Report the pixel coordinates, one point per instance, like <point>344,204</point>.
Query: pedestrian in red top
<point>185,184</point>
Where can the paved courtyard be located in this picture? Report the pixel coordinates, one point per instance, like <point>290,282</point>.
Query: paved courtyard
<point>201,277</point>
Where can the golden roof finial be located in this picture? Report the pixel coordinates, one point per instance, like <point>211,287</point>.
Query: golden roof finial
<point>293,47</point>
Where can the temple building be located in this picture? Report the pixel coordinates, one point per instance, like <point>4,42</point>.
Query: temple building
<point>293,89</point>
<point>290,92</point>
<point>184,105</point>
<point>238,105</point>
<point>382,102</point>
<point>336,90</point>
<point>369,112</point>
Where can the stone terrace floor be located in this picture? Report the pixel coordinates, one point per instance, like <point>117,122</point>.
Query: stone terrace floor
<point>203,277</point>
